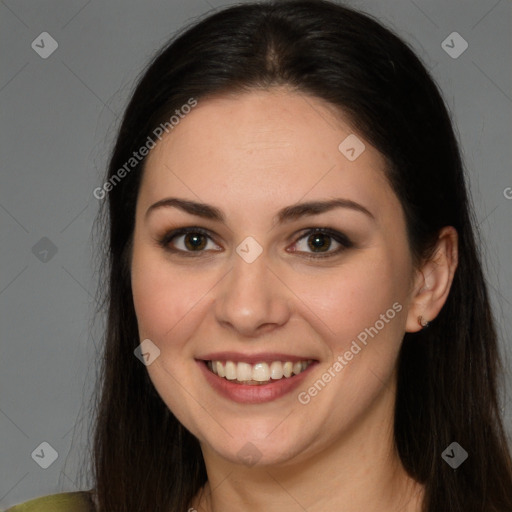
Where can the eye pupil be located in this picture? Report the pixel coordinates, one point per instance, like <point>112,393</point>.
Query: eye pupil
<point>319,241</point>
<point>195,239</point>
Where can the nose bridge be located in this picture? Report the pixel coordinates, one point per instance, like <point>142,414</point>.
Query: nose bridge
<point>251,296</point>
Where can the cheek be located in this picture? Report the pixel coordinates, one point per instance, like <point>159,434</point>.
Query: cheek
<point>362,309</point>
<point>162,298</point>
<point>356,297</point>
<point>165,302</point>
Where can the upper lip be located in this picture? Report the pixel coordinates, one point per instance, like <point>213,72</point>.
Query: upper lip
<point>262,357</point>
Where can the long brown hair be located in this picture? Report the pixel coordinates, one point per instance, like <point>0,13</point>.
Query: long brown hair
<point>143,458</point>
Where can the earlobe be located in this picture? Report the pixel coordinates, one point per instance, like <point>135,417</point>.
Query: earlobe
<point>433,283</point>
<point>424,323</point>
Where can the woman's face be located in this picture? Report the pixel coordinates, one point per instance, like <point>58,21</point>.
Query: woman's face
<point>257,291</point>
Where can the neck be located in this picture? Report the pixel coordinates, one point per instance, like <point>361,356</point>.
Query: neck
<point>360,471</point>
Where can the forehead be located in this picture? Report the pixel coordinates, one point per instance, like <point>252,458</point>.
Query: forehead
<point>264,149</point>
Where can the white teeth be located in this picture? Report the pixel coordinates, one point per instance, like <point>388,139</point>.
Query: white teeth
<point>276,370</point>
<point>259,372</point>
<point>287,369</point>
<point>230,370</point>
<point>244,371</point>
<point>220,369</point>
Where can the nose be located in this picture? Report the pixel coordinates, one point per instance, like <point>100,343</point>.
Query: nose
<point>252,299</point>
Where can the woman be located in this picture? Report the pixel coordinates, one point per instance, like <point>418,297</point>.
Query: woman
<point>297,315</point>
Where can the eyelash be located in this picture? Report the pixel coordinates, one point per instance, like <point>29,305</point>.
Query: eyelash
<point>342,239</point>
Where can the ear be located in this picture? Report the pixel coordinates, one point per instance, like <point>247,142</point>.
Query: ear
<point>433,281</point>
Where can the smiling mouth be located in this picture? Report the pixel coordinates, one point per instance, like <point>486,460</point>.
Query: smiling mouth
<point>257,374</point>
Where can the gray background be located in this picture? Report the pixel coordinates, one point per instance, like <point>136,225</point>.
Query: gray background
<point>59,117</point>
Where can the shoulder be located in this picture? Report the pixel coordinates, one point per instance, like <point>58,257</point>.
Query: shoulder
<point>80,501</point>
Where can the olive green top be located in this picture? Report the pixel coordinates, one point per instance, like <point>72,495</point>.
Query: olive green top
<point>64,502</point>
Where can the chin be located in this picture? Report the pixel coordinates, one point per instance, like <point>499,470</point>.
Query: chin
<point>253,448</point>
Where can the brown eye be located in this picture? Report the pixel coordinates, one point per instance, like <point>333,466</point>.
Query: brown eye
<point>187,241</point>
<point>195,241</point>
<point>319,241</point>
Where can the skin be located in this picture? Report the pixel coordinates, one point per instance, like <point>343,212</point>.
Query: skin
<point>251,155</point>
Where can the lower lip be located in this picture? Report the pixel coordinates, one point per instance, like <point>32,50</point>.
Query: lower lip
<point>256,394</point>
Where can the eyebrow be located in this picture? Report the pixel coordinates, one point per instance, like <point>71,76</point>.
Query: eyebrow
<point>288,213</point>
